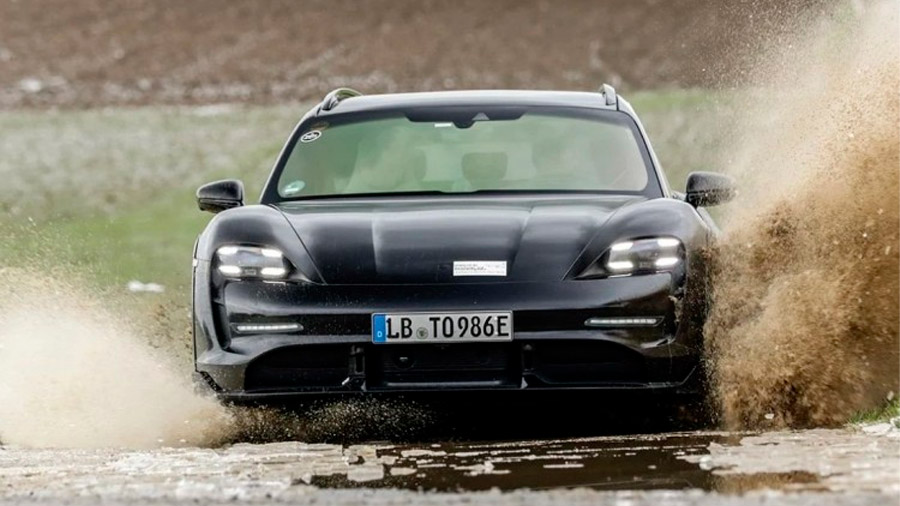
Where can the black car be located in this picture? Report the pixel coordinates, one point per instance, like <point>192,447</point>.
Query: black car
<point>449,241</point>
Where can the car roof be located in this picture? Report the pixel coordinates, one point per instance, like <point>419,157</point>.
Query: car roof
<point>468,98</point>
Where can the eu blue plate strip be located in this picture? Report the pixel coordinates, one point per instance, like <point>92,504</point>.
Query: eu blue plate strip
<point>379,328</point>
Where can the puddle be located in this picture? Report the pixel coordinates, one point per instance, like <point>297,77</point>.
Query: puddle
<point>834,460</point>
<point>671,461</point>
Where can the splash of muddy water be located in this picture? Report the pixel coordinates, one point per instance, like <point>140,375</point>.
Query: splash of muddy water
<point>74,375</point>
<point>804,324</point>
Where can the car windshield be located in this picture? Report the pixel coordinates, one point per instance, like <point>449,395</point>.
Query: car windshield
<point>572,150</point>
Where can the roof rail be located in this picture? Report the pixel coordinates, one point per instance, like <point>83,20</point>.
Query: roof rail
<point>610,93</point>
<point>334,98</point>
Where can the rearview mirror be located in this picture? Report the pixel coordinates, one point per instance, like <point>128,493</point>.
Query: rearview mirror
<point>709,189</point>
<point>219,196</point>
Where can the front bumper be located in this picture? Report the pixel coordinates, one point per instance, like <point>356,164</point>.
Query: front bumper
<point>552,349</point>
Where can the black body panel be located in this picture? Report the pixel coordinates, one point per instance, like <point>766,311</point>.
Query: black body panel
<point>416,241</point>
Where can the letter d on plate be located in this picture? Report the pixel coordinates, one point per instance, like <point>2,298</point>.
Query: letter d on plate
<point>379,328</point>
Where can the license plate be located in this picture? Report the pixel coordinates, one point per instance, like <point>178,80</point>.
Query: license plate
<point>442,327</point>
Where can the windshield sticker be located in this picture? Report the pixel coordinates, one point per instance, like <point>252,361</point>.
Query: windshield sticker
<point>293,188</point>
<point>310,136</point>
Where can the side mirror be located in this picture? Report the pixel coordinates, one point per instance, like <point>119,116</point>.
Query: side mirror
<point>709,189</point>
<point>219,196</point>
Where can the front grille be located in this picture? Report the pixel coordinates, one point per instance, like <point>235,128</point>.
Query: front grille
<point>585,362</point>
<point>474,363</point>
<point>549,363</point>
<point>311,366</point>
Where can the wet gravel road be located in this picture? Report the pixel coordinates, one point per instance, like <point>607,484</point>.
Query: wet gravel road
<point>811,467</point>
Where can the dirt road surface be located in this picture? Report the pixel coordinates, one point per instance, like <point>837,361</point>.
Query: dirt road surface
<point>821,467</point>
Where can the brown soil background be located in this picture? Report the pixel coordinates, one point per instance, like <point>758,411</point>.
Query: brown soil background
<point>86,53</point>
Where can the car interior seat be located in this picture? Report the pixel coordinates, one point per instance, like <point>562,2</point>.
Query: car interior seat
<point>485,171</point>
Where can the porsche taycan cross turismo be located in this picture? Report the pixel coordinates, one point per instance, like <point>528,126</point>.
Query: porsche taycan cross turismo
<point>455,241</point>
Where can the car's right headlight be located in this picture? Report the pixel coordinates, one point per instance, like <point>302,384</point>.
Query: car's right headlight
<point>252,262</point>
<point>644,255</point>
<point>637,256</point>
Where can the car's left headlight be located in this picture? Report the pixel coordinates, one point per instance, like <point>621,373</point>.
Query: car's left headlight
<point>252,262</point>
<point>638,256</point>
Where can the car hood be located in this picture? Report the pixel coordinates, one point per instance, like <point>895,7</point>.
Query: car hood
<point>417,241</point>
